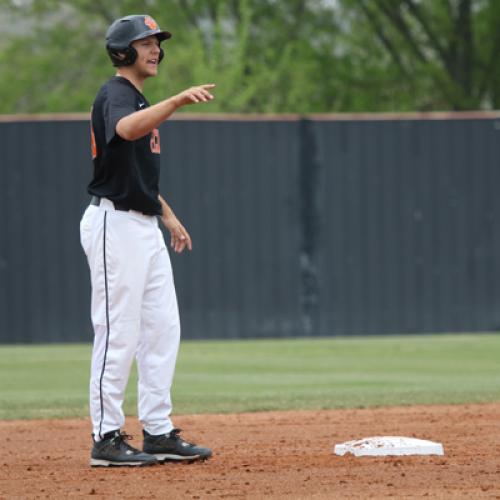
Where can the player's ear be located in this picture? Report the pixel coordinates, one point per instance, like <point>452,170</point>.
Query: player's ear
<point>162,54</point>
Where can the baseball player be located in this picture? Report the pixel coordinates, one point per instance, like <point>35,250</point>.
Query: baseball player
<point>134,306</point>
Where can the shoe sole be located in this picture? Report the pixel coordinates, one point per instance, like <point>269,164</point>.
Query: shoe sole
<point>166,457</point>
<point>96,462</point>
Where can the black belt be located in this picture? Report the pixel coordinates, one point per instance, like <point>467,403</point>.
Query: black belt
<point>96,200</point>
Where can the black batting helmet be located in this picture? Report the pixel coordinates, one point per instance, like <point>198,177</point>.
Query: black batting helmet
<point>126,30</point>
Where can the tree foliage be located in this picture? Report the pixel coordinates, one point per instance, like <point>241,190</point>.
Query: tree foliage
<point>442,53</point>
<point>294,56</point>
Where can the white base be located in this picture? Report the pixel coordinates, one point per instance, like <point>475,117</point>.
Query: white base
<point>389,445</point>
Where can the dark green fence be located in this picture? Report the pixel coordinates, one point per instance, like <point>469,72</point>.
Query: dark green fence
<point>321,226</point>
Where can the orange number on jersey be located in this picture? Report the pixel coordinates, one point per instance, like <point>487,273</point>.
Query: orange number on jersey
<point>93,145</point>
<point>155,141</point>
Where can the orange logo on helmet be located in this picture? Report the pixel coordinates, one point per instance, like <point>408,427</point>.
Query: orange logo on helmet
<point>150,23</point>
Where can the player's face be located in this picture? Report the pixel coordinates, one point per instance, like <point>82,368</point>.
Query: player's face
<point>148,56</point>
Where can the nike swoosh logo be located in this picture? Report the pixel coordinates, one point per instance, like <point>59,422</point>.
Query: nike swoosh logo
<point>141,105</point>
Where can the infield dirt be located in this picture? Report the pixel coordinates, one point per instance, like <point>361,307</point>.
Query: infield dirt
<point>267,455</point>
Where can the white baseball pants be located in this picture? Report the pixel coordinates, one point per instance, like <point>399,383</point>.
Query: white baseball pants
<point>134,314</point>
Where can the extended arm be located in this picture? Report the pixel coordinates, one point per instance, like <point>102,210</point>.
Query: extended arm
<point>142,122</point>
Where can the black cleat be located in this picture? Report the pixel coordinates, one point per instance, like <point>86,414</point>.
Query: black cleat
<point>171,446</point>
<point>113,450</point>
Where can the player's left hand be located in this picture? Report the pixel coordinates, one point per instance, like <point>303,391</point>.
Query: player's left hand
<point>179,237</point>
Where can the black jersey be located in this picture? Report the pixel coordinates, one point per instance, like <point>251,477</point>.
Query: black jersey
<point>126,172</point>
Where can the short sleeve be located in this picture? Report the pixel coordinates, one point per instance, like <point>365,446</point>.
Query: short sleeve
<point>120,102</point>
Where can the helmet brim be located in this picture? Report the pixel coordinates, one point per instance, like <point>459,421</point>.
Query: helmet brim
<point>161,35</point>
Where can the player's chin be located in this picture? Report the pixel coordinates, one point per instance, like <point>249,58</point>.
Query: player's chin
<point>152,69</point>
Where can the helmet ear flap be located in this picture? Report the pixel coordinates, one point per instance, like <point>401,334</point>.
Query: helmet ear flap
<point>131,55</point>
<point>122,57</point>
<point>127,56</point>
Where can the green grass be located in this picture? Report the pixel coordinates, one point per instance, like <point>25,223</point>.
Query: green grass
<point>233,376</point>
